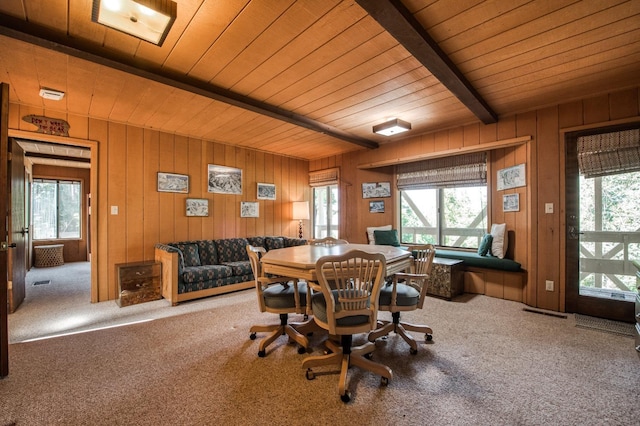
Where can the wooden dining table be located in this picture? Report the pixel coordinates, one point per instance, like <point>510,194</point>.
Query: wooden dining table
<point>300,261</point>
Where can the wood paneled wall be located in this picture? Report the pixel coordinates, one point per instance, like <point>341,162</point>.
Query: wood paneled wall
<point>128,161</point>
<point>539,236</point>
<point>74,250</point>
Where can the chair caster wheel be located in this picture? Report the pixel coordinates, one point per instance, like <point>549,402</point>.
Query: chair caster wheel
<point>262,354</point>
<point>413,351</point>
<point>368,356</point>
<point>309,375</point>
<point>302,350</point>
<point>252,336</point>
<point>346,397</point>
<point>384,381</point>
<point>428,337</point>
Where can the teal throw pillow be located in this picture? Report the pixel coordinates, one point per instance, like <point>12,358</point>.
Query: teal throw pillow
<point>485,245</point>
<point>387,238</point>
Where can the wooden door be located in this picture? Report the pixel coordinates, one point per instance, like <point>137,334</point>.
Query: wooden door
<point>17,226</point>
<point>4,177</point>
<point>576,300</point>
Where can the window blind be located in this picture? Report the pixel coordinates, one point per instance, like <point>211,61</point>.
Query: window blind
<point>609,153</point>
<point>446,172</point>
<point>324,177</point>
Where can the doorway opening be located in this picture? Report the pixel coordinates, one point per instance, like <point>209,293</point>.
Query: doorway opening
<point>56,159</point>
<point>602,177</point>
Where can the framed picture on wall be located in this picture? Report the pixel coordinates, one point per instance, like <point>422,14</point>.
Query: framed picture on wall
<point>224,180</point>
<point>173,182</point>
<point>266,191</point>
<point>376,189</point>
<point>197,207</point>
<point>511,177</point>
<point>376,206</point>
<point>511,203</point>
<point>249,209</point>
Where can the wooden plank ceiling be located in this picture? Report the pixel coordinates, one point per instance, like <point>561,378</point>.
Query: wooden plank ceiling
<point>308,78</point>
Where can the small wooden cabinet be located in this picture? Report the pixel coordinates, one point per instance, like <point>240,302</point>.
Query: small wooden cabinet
<point>138,282</point>
<point>446,279</point>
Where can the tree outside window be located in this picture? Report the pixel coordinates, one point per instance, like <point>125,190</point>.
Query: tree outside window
<point>56,209</point>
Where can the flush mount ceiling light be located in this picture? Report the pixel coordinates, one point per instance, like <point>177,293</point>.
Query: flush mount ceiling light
<point>392,127</point>
<point>149,20</point>
<point>52,94</point>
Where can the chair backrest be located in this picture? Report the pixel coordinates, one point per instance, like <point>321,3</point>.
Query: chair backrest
<point>423,255</point>
<point>254,254</point>
<point>327,242</point>
<point>351,285</point>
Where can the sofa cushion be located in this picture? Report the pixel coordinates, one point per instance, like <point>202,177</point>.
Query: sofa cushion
<point>273,243</point>
<point>500,240</point>
<point>256,241</point>
<point>386,237</point>
<point>195,274</point>
<point>232,250</point>
<point>190,253</point>
<point>474,259</point>
<point>242,267</point>
<point>208,252</point>
<point>485,245</point>
<point>372,229</point>
<point>292,242</point>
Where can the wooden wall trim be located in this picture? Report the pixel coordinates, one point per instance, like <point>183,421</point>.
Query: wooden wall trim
<point>505,143</point>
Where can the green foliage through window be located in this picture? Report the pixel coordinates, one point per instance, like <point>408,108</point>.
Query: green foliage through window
<point>56,209</point>
<point>454,217</point>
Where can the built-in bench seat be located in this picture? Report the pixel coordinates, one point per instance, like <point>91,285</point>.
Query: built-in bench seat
<point>489,275</point>
<point>475,260</point>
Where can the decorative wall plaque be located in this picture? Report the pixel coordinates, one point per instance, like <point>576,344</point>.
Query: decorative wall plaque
<point>50,126</point>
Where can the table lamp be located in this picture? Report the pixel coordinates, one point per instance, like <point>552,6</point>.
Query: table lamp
<point>300,212</point>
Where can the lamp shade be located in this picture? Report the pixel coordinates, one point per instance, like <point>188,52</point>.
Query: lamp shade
<point>300,210</point>
<point>149,20</point>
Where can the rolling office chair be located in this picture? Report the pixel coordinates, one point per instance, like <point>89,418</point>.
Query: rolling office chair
<point>278,295</point>
<point>347,304</point>
<point>406,293</point>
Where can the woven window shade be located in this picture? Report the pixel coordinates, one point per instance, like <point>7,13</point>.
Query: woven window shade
<point>609,153</point>
<point>446,172</point>
<point>324,177</point>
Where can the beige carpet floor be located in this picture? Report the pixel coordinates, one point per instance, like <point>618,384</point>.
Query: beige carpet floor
<point>490,363</point>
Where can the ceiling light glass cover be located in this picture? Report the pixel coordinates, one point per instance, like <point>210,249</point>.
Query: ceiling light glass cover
<point>392,127</point>
<point>149,20</point>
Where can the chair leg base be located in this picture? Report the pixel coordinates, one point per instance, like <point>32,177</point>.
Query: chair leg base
<point>356,357</point>
<point>402,329</point>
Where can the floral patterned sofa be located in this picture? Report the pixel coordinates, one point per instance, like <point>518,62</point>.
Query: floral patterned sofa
<point>201,268</point>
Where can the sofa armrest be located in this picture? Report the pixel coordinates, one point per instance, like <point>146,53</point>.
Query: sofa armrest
<point>169,258</point>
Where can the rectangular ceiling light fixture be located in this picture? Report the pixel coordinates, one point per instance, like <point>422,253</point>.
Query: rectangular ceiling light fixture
<point>149,20</point>
<point>52,94</point>
<point>392,127</point>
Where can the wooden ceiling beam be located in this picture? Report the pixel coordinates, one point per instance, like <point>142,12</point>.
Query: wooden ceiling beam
<point>398,21</point>
<point>48,39</point>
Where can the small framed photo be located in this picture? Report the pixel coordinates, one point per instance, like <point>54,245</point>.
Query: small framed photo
<point>197,207</point>
<point>266,191</point>
<point>376,206</point>
<point>172,182</point>
<point>511,203</point>
<point>249,209</point>
<point>376,189</point>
